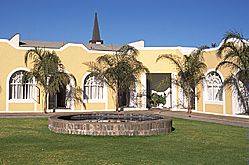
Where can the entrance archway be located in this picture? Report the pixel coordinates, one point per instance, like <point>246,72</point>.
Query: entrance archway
<point>58,101</point>
<point>159,84</point>
<point>64,98</point>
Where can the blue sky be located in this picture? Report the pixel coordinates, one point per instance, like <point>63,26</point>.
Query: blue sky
<point>158,22</point>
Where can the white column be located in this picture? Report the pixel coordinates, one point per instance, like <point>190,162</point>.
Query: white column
<point>143,81</point>
<point>173,90</point>
<point>133,95</point>
<point>196,100</point>
<point>70,94</point>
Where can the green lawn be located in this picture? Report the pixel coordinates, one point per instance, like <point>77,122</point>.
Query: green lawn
<point>28,141</point>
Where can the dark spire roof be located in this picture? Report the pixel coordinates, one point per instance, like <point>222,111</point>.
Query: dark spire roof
<point>96,33</point>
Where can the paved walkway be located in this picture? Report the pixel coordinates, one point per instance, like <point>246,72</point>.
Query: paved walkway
<point>228,120</point>
<point>24,115</point>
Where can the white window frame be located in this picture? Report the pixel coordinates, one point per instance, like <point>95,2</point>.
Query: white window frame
<point>18,82</point>
<point>206,97</point>
<point>96,86</point>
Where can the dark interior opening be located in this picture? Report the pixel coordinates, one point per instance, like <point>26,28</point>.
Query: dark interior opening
<point>159,82</point>
<point>58,101</point>
<point>124,98</point>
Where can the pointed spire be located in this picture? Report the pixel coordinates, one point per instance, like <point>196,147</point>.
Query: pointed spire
<point>96,34</point>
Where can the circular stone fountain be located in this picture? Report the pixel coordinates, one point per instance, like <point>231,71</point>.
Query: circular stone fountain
<point>111,124</point>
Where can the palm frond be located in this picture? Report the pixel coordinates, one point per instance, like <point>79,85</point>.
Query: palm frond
<point>239,88</point>
<point>47,66</point>
<point>120,70</point>
<point>227,47</point>
<point>228,64</point>
<point>128,50</point>
<point>232,34</point>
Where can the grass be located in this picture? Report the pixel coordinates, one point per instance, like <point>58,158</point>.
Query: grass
<point>28,141</point>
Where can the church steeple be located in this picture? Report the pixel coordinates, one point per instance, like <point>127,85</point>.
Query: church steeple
<point>96,34</point>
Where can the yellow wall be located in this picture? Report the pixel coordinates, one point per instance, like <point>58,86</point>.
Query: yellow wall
<point>21,107</point>
<point>148,57</point>
<point>212,61</point>
<point>11,58</point>
<point>2,92</point>
<point>111,99</point>
<point>214,108</point>
<point>200,98</point>
<point>73,58</point>
<point>228,98</point>
<point>95,106</point>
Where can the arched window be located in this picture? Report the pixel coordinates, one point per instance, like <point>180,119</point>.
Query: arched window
<point>93,88</point>
<point>20,88</point>
<point>213,86</point>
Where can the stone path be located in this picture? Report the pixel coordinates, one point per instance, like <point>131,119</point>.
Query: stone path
<point>228,120</point>
<point>23,115</point>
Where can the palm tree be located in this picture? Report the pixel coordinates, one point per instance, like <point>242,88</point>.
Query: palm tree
<point>190,71</point>
<point>120,71</point>
<point>47,70</point>
<point>234,53</point>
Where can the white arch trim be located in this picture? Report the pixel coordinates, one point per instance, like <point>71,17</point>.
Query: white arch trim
<point>69,103</point>
<point>183,50</point>
<point>205,101</point>
<point>214,70</point>
<point>7,90</point>
<point>236,106</point>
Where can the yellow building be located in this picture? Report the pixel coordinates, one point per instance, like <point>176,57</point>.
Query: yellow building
<point>16,96</point>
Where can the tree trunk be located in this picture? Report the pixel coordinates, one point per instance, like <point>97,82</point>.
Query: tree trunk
<point>45,103</point>
<point>117,100</point>
<point>117,95</point>
<point>189,101</point>
<point>127,95</point>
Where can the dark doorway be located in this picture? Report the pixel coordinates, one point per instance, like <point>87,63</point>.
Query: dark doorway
<point>124,98</point>
<point>58,101</point>
<point>61,98</point>
<point>161,84</point>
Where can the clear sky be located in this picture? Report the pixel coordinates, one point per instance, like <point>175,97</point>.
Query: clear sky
<point>158,22</point>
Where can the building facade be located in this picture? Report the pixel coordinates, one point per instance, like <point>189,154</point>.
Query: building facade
<point>25,96</point>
